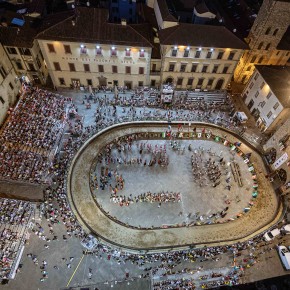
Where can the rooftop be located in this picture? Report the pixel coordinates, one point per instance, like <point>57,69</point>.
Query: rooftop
<point>278,79</point>
<point>89,25</point>
<point>166,14</point>
<point>23,36</point>
<point>200,35</point>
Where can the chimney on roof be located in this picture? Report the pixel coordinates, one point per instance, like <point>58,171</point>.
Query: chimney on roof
<point>124,21</point>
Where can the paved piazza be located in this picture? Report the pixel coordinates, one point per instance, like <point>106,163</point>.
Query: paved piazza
<point>207,214</point>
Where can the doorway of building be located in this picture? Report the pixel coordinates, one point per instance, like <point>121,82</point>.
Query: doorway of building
<point>128,85</point>
<point>102,81</point>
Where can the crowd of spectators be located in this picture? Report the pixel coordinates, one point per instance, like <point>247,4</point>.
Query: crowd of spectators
<point>30,133</point>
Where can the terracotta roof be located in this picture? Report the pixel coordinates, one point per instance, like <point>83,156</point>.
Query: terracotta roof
<point>91,26</point>
<point>284,43</point>
<point>278,79</point>
<point>200,35</point>
<point>165,13</point>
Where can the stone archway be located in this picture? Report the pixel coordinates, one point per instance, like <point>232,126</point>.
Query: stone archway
<point>219,84</point>
<point>169,80</point>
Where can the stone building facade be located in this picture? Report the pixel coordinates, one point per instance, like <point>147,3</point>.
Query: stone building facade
<point>266,96</point>
<point>102,54</point>
<point>199,56</point>
<point>9,84</point>
<point>264,37</point>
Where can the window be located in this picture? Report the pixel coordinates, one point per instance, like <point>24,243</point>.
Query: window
<point>3,72</point>
<point>24,51</point>
<point>19,65</point>
<point>72,67</point>
<point>275,31</point>
<point>182,67</point>
<point>210,82</point>
<point>267,46</point>
<point>204,68</point>
<point>38,61</point>
<point>263,104</point>
<point>225,69</point>
<point>179,81</point>
<point>261,59</point>
<point>127,52</point>
<point>200,81</point>
<point>142,53</point>
<point>56,66</point>
<point>276,106</point>
<point>2,100</point>
<point>269,95</point>
<point>190,81</point>
<point>277,53</point>
<point>31,67</point>
<point>141,70</point>
<point>67,48</point>
<point>128,69</point>
<point>98,50</point>
<point>260,45</point>
<point>251,85</point>
<point>174,52</point>
<point>186,53</point>
<point>253,59</point>
<point>197,54</point>
<point>61,81</point>
<point>101,68</point>
<point>194,68</point>
<point>231,55</point>
<point>209,54</point>
<point>11,86</point>
<point>11,50</point>
<point>269,114</point>
<point>86,67</point>
<point>140,84</point>
<point>89,82</point>
<point>220,55</point>
<point>83,49</point>
<point>50,47</point>
<point>113,51</point>
<point>215,68</point>
<point>114,69</point>
<point>256,94</point>
<point>262,85</point>
<point>268,30</point>
<point>256,76</point>
<point>249,68</point>
<point>171,67</point>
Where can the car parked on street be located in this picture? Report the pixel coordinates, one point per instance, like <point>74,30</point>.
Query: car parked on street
<point>284,255</point>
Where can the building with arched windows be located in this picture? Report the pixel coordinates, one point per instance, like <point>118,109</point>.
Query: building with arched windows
<point>199,56</point>
<point>266,39</point>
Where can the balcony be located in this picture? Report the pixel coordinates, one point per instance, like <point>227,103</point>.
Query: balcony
<point>155,72</point>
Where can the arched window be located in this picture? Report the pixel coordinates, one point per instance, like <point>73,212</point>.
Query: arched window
<point>275,31</point>
<point>268,30</point>
<point>260,45</point>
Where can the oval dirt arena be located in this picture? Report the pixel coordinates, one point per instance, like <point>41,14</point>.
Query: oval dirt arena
<point>232,206</point>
